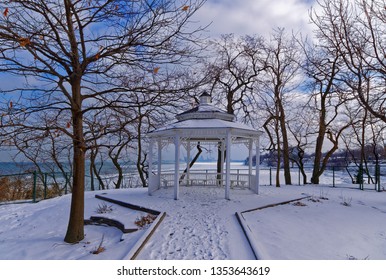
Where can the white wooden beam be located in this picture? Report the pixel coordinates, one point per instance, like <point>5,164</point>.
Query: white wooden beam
<point>257,183</point>
<point>188,163</point>
<point>151,186</point>
<point>228,164</point>
<point>159,162</point>
<point>250,149</point>
<point>177,167</point>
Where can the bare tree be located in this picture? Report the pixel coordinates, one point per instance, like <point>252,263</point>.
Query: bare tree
<point>232,72</point>
<point>363,141</point>
<point>352,36</point>
<point>235,68</point>
<point>356,30</point>
<point>301,124</point>
<point>282,76</point>
<point>71,52</point>
<point>329,94</point>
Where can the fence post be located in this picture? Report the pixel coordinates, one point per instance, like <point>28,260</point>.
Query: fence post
<point>45,185</point>
<point>299,176</point>
<point>361,187</point>
<point>270,176</point>
<point>34,187</point>
<point>333,176</point>
<point>65,187</point>
<point>378,177</point>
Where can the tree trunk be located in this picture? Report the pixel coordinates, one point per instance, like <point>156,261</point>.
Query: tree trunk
<point>220,160</point>
<point>318,155</point>
<point>120,172</point>
<point>97,172</point>
<point>75,229</point>
<point>302,171</point>
<point>286,150</point>
<point>139,152</point>
<point>92,162</point>
<point>192,162</point>
<point>319,142</point>
<point>278,164</point>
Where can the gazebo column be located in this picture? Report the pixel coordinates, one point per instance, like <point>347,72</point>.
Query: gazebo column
<point>222,150</point>
<point>188,164</point>
<point>257,166</point>
<point>228,164</point>
<point>177,167</point>
<point>151,182</point>
<point>159,162</point>
<point>250,149</point>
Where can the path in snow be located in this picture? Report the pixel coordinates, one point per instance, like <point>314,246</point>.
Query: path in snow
<point>203,237</point>
<point>202,224</point>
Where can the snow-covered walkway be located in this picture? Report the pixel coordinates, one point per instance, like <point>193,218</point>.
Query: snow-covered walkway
<point>200,225</point>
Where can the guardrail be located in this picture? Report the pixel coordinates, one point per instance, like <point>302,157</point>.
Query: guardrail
<point>335,176</point>
<point>36,186</point>
<point>238,178</point>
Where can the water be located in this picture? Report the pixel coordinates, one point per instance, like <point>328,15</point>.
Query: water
<point>131,178</point>
<point>8,168</point>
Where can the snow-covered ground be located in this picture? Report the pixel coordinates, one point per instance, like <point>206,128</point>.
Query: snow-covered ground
<point>203,225</point>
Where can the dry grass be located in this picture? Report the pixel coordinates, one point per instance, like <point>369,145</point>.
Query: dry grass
<point>144,221</point>
<point>298,203</point>
<point>21,188</point>
<point>15,188</point>
<point>100,248</point>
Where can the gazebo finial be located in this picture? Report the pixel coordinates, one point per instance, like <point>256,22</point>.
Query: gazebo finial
<point>205,98</point>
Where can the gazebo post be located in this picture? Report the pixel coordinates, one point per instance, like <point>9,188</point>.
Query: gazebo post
<point>222,150</point>
<point>151,176</point>
<point>159,162</point>
<point>257,166</point>
<point>188,164</point>
<point>177,167</point>
<point>228,164</point>
<point>250,149</point>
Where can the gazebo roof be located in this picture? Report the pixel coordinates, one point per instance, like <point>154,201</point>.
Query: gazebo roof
<point>205,110</point>
<point>205,121</point>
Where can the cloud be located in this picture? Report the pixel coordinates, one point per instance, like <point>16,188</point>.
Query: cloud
<point>255,16</point>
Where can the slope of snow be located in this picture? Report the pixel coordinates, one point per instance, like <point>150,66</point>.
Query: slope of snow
<point>202,225</point>
<point>333,224</point>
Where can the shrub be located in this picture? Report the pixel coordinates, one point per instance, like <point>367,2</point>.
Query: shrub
<point>15,188</point>
<point>145,220</point>
<point>103,208</point>
<point>346,201</point>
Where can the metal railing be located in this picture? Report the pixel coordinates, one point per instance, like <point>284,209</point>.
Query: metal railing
<point>238,178</point>
<point>36,186</point>
<point>335,176</point>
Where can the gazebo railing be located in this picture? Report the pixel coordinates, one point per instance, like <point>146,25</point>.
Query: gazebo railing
<point>207,178</point>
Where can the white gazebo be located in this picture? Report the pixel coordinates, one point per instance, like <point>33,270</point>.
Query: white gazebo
<point>204,124</point>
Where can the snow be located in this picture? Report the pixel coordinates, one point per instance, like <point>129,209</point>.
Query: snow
<point>200,124</point>
<point>202,225</point>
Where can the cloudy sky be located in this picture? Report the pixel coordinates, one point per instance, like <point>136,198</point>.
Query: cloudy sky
<point>248,17</point>
<point>255,16</point>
